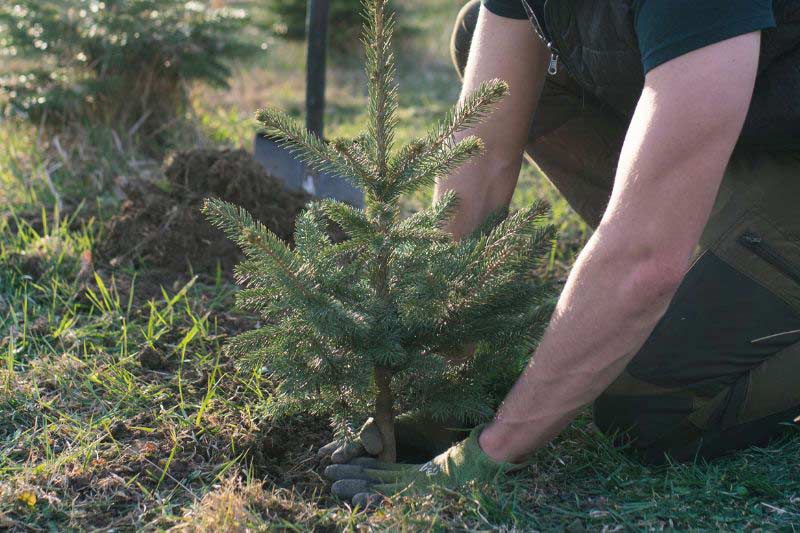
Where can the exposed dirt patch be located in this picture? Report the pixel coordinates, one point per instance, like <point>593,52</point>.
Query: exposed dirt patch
<point>160,225</point>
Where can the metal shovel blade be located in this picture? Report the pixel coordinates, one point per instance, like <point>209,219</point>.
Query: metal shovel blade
<point>277,160</point>
<point>281,163</point>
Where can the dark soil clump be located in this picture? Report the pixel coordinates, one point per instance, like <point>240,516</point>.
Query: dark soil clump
<point>160,225</point>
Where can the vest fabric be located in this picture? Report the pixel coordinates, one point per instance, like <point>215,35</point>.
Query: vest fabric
<point>597,45</point>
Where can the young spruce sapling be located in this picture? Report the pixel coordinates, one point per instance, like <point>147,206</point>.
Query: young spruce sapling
<point>375,325</point>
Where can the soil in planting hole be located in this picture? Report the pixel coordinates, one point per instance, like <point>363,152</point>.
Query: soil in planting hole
<point>160,225</point>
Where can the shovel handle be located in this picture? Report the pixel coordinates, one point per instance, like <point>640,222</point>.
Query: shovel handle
<point>317,34</point>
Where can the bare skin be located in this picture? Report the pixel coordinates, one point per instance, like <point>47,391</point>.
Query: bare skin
<point>678,144</point>
<point>487,183</point>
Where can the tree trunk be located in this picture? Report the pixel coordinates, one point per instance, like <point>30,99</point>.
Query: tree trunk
<point>384,414</point>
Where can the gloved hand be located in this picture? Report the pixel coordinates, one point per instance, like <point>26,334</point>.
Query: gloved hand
<point>418,437</point>
<point>367,443</point>
<point>363,480</point>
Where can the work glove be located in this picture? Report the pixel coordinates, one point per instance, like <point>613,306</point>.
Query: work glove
<point>367,443</point>
<point>418,437</point>
<point>364,480</point>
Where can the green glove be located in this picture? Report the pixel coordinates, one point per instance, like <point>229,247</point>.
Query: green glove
<point>364,479</point>
<point>418,437</point>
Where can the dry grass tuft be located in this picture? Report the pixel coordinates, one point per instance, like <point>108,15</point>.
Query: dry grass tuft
<point>243,506</point>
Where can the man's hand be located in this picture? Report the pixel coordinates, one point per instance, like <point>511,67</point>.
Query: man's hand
<point>367,443</point>
<point>364,480</point>
<point>418,437</point>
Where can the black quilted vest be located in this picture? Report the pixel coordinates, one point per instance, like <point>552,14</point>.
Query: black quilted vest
<point>595,41</point>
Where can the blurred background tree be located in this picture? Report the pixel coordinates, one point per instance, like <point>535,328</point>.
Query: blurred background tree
<point>289,21</point>
<point>125,63</point>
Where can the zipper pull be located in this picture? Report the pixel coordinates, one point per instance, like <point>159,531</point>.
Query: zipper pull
<point>552,68</point>
<point>750,239</point>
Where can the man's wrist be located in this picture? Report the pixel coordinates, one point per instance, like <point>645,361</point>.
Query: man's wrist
<point>494,440</point>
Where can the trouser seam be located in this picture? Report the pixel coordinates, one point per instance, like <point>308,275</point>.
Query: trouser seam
<point>749,393</point>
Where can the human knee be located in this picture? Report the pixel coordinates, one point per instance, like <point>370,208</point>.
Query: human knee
<point>638,417</point>
<point>610,420</point>
<point>462,35</point>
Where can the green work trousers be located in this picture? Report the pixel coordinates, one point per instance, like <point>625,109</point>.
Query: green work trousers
<point>721,370</point>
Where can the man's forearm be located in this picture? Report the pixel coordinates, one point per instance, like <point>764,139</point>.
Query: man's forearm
<point>487,183</point>
<point>679,142</point>
<point>482,187</point>
<point>609,306</point>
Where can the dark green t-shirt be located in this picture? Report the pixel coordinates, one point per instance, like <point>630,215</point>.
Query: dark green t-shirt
<point>667,29</point>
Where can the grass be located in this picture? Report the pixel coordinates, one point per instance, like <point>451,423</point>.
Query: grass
<point>118,410</point>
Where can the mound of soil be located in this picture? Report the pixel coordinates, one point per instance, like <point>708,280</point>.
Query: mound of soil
<point>160,225</point>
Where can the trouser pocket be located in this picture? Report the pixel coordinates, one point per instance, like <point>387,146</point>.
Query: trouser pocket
<point>770,254</point>
<point>761,249</point>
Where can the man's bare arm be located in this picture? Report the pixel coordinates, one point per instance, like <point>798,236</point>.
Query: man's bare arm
<point>507,49</point>
<point>679,142</point>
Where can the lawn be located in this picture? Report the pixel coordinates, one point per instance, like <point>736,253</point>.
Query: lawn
<point>120,411</point>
